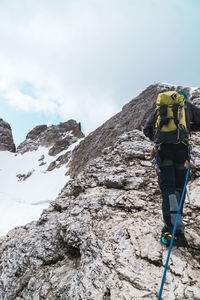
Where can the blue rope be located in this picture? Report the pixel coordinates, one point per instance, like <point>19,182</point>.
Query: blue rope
<point>173,233</point>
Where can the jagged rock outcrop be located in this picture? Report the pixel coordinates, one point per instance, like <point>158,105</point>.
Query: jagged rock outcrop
<point>58,136</point>
<point>132,116</point>
<point>23,177</point>
<point>100,239</point>
<point>6,137</point>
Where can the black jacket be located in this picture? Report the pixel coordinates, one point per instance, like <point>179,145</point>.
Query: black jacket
<point>192,117</point>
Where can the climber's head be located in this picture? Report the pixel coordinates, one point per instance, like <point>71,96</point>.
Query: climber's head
<point>181,92</point>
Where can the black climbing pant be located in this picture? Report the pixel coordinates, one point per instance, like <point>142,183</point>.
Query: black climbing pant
<point>171,179</point>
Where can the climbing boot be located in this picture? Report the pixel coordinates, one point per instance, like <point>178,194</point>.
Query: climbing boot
<point>181,241</point>
<point>165,229</point>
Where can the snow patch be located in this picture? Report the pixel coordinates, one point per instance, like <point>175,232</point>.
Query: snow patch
<point>23,201</point>
<point>167,84</point>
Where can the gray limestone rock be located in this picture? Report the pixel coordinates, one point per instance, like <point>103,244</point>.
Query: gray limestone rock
<point>6,137</point>
<point>58,137</point>
<point>23,177</point>
<point>100,239</point>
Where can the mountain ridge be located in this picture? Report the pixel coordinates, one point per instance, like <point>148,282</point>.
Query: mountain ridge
<point>132,116</point>
<point>100,238</point>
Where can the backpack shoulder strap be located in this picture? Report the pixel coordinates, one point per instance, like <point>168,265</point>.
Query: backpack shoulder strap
<point>175,114</point>
<point>187,117</point>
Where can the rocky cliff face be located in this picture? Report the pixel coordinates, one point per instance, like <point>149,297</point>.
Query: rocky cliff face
<point>132,116</point>
<point>6,137</point>
<point>100,239</point>
<point>58,136</point>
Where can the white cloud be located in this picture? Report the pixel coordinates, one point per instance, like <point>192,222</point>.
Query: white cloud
<point>84,58</point>
<point>60,54</point>
<point>93,113</point>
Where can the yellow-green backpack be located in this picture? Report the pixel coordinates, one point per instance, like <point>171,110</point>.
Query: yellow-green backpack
<point>170,123</point>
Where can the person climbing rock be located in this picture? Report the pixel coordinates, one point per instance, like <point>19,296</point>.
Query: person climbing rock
<point>169,126</point>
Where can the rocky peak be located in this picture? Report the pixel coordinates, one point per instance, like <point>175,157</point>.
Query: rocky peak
<point>132,116</point>
<point>58,136</point>
<point>6,137</point>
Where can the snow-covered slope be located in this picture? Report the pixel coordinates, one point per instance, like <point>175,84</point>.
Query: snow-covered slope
<point>30,181</point>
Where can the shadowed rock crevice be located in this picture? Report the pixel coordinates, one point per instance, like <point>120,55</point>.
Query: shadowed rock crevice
<point>127,209</point>
<point>54,260</point>
<point>73,252</point>
<point>157,263</point>
<point>107,294</point>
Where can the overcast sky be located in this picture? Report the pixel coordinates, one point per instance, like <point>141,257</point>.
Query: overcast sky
<point>85,59</point>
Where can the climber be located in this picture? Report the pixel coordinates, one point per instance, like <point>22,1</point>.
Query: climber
<point>169,126</point>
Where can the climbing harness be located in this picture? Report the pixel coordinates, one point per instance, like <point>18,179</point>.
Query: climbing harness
<point>173,234</point>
